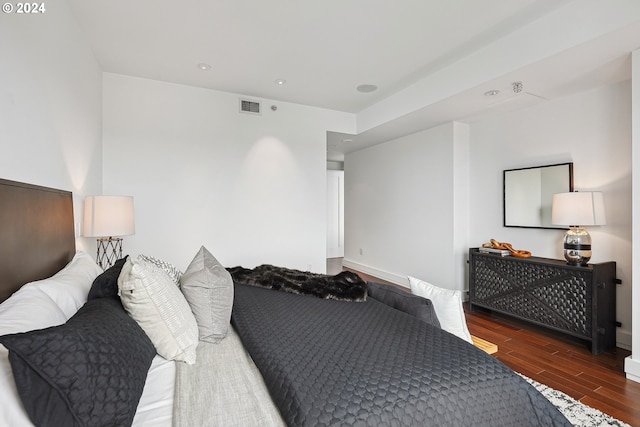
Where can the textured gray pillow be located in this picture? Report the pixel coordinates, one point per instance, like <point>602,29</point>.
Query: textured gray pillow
<point>208,288</point>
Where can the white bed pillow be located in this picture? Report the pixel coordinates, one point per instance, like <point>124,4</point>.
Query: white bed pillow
<point>153,299</point>
<point>69,287</point>
<point>28,309</point>
<point>448,306</point>
<point>51,301</point>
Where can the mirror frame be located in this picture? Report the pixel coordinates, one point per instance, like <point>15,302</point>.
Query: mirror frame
<point>504,194</point>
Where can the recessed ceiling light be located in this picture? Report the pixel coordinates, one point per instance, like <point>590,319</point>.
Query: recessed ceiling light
<point>492,92</point>
<point>367,88</point>
<point>280,82</point>
<point>203,66</point>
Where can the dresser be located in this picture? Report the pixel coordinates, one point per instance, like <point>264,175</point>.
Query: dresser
<point>578,301</point>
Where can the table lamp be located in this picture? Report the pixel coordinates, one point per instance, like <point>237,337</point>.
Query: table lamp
<point>108,218</point>
<point>578,209</point>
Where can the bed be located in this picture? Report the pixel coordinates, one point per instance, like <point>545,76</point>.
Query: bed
<point>266,346</point>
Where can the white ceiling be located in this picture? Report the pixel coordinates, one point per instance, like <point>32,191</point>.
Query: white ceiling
<point>325,49</point>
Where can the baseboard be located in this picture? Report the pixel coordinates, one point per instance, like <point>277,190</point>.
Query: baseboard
<point>386,275</point>
<point>632,368</point>
<point>623,339</point>
<point>375,272</point>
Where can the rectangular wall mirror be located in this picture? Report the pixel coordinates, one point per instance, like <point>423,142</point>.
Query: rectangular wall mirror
<point>528,193</point>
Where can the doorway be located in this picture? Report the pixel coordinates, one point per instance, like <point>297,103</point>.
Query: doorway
<point>335,214</point>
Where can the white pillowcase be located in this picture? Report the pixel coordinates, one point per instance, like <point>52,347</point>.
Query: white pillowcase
<point>69,287</point>
<point>28,309</point>
<point>152,298</point>
<point>448,306</point>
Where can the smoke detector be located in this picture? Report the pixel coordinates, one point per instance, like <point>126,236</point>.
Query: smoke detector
<point>517,87</point>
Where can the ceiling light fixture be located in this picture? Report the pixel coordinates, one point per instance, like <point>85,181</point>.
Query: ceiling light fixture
<point>492,92</point>
<point>367,88</point>
<point>280,82</point>
<point>204,67</point>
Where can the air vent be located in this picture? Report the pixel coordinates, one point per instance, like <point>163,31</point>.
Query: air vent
<point>251,107</point>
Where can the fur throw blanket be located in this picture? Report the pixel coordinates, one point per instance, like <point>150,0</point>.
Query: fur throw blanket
<point>346,286</point>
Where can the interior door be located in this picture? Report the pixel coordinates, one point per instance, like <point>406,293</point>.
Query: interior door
<point>335,214</point>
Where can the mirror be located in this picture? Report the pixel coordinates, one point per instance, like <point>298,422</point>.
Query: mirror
<point>528,193</point>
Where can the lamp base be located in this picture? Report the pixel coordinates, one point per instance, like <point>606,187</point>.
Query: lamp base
<point>577,246</point>
<point>109,251</point>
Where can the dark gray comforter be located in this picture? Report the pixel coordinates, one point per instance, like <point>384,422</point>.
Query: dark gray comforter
<point>333,363</point>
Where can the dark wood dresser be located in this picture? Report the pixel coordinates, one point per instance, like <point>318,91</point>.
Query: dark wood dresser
<point>579,301</point>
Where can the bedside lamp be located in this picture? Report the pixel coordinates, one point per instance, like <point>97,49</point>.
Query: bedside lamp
<point>575,210</point>
<point>104,218</point>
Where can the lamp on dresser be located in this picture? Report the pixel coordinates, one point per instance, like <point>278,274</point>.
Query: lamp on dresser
<point>578,209</point>
<point>108,218</point>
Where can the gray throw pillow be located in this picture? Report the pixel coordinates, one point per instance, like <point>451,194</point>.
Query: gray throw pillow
<point>208,288</point>
<point>414,305</point>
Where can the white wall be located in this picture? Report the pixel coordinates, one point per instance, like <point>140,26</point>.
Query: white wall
<point>252,189</point>
<point>632,363</point>
<point>591,129</point>
<point>406,207</point>
<point>50,105</point>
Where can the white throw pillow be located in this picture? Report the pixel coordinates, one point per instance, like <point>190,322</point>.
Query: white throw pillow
<point>153,299</point>
<point>69,287</point>
<point>448,306</point>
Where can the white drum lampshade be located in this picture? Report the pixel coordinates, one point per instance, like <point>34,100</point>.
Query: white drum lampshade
<point>108,218</point>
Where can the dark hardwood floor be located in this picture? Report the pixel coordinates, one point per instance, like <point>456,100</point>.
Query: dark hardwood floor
<point>561,362</point>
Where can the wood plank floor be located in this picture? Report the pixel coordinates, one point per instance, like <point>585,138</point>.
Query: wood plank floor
<point>561,362</point>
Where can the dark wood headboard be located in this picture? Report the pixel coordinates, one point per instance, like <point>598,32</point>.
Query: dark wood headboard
<point>37,235</point>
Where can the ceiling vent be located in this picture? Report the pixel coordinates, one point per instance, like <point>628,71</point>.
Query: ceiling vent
<point>251,107</point>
